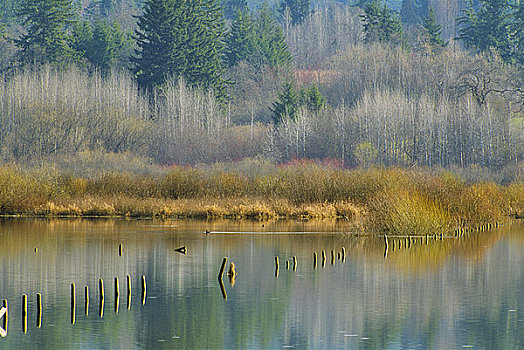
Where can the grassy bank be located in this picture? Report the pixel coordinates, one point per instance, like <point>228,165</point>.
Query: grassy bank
<point>395,201</point>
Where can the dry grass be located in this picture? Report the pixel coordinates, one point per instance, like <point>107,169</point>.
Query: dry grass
<point>395,201</point>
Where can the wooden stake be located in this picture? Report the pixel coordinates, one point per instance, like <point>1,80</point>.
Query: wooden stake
<point>6,316</point>
<point>101,288</point>
<point>128,292</point>
<point>120,249</point>
<point>38,310</point>
<point>86,297</point>
<point>222,268</point>
<point>73,303</point>
<point>24,313</point>
<point>144,290</point>
<point>117,295</point>
<point>323,259</point>
<point>294,263</point>
<point>314,260</point>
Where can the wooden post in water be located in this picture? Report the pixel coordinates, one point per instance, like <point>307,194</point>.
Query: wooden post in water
<point>222,268</point>
<point>294,263</point>
<point>323,258</point>
<point>386,244</point>
<point>128,292</point>
<point>276,266</point>
<point>332,257</point>
<point>144,290</point>
<point>73,303</point>
<point>120,249</point>
<point>6,316</point>
<point>86,296</point>
<point>222,288</point>
<point>24,313</point>
<point>38,310</point>
<point>117,295</point>
<point>101,294</point>
<point>314,260</point>
<point>343,254</point>
<point>101,288</point>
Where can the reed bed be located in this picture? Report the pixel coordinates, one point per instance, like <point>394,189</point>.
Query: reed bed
<point>393,201</point>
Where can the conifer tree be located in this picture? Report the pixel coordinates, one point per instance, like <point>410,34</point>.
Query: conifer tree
<point>240,43</point>
<point>287,104</point>
<point>380,23</point>
<point>232,7</point>
<point>433,30</point>
<point>299,10</point>
<point>181,38</point>
<point>100,43</point>
<point>313,99</point>
<point>518,32</point>
<point>487,27</point>
<point>271,48</point>
<point>46,23</point>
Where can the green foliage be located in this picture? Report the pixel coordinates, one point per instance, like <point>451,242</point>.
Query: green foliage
<point>100,43</point>
<point>287,104</point>
<point>240,43</point>
<point>232,7</point>
<point>299,10</point>
<point>46,23</point>
<point>380,23</point>
<point>271,48</point>
<point>177,38</point>
<point>98,10</point>
<point>517,30</point>
<point>314,101</point>
<point>488,27</point>
<point>433,30</point>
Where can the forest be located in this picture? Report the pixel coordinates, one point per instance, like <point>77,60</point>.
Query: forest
<point>92,88</point>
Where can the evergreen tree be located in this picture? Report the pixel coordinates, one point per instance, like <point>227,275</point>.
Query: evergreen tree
<point>240,43</point>
<point>433,30</point>
<point>271,48</point>
<point>488,27</point>
<point>518,32</point>
<point>46,22</point>
<point>100,43</point>
<point>232,7</point>
<point>99,10</point>
<point>181,38</point>
<point>313,99</point>
<point>287,104</point>
<point>380,23</point>
<point>299,10</point>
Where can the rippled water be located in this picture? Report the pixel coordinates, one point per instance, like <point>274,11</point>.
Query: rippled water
<point>447,294</point>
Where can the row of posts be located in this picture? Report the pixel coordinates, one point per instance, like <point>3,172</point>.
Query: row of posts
<point>334,256</point>
<point>5,310</point>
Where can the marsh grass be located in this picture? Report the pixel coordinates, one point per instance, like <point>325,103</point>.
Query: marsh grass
<point>393,201</point>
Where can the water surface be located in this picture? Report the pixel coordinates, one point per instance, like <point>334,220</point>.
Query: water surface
<point>447,294</point>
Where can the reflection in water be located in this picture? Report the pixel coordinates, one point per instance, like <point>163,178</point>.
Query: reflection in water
<point>428,292</point>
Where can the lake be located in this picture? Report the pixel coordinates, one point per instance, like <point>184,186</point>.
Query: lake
<point>450,293</point>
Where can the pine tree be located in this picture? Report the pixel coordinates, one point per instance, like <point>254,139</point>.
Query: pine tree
<point>181,38</point>
<point>299,10</point>
<point>46,22</point>
<point>488,27</point>
<point>100,43</point>
<point>240,43</point>
<point>287,104</point>
<point>518,32</point>
<point>433,30</point>
<point>313,99</point>
<point>271,48</point>
<point>380,23</point>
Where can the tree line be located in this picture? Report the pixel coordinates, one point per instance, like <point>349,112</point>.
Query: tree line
<point>213,85</point>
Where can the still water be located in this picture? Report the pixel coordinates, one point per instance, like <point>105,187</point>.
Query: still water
<point>447,294</point>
